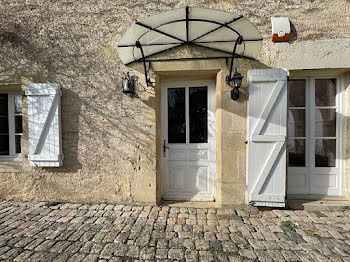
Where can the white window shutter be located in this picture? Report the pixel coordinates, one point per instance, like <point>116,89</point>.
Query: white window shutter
<point>267,133</point>
<point>44,125</point>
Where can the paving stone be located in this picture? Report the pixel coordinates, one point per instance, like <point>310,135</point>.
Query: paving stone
<point>263,256</point>
<point>75,232</point>
<point>34,244</point>
<point>161,253</point>
<point>206,256</point>
<point>247,253</point>
<point>133,252</point>
<point>289,255</point>
<point>174,253</point>
<point>108,250</point>
<point>23,256</point>
<point>11,253</point>
<point>77,257</point>
<point>191,255</point>
<point>147,253</point>
<point>202,244</point>
<point>60,246</point>
<point>46,245</point>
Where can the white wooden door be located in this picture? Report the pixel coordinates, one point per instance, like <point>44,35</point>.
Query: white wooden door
<point>188,139</point>
<point>267,131</point>
<point>315,137</point>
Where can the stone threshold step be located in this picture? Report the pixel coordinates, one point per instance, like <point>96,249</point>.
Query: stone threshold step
<point>327,205</point>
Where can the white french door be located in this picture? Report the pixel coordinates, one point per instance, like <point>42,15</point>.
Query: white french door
<point>315,136</point>
<point>188,139</point>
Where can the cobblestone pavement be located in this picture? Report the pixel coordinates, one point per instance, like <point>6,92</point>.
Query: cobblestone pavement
<point>76,232</point>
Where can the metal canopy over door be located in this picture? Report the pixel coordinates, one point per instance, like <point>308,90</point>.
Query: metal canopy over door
<point>314,135</point>
<point>188,139</point>
<point>267,131</point>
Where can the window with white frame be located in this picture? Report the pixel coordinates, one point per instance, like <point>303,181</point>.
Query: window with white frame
<point>10,126</point>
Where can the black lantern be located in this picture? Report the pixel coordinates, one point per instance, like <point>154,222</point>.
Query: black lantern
<point>128,84</point>
<point>237,81</point>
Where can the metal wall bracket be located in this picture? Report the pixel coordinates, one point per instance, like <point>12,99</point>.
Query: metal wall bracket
<point>148,80</point>
<point>239,41</point>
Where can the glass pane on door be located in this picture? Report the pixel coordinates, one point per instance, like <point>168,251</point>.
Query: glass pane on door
<point>325,152</point>
<point>296,93</point>
<point>325,122</point>
<point>296,152</point>
<point>198,110</point>
<point>296,123</point>
<point>325,91</point>
<point>176,115</point>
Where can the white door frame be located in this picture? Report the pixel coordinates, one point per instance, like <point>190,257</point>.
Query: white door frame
<point>310,168</point>
<point>186,83</point>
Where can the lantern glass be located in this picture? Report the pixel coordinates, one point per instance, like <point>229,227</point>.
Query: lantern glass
<point>237,79</point>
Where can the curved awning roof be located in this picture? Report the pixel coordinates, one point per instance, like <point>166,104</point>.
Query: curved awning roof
<point>198,26</point>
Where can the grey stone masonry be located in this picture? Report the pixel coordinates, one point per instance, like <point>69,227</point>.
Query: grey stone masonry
<point>73,232</point>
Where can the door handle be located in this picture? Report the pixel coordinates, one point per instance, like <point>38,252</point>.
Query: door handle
<point>164,147</point>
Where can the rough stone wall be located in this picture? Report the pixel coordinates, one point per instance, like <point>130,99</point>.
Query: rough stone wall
<point>108,140</point>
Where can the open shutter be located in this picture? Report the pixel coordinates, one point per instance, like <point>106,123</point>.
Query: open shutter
<point>44,124</point>
<point>267,131</point>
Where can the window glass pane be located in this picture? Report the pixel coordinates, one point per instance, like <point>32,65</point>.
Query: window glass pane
<point>325,152</point>
<point>18,124</point>
<point>198,108</point>
<point>296,152</point>
<point>4,125</point>
<point>176,115</point>
<point>296,92</point>
<point>325,91</point>
<point>296,123</point>
<point>325,122</point>
<point>18,143</point>
<point>18,104</point>
<point>4,145</point>
<point>3,105</point>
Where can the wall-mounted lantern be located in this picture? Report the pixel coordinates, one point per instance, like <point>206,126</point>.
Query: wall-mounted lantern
<point>237,82</point>
<point>128,83</point>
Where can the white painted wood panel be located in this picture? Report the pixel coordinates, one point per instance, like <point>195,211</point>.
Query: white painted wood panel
<point>44,124</point>
<point>267,131</point>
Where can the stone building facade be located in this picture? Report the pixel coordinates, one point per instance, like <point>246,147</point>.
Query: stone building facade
<point>112,142</point>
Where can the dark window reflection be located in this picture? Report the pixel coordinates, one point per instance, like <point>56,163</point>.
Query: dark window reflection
<point>296,92</point>
<point>325,91</point>
<point>198,108</point>
<point>325,122</point>
<point>18,124</point>
<point>18,144</point>
<point>296,123</point>
<point>4,128</point>
<point>296,152</point>
<point>176,115</point>
<point>4,145</point>
<point>325,152</point>
<point>3,105</point>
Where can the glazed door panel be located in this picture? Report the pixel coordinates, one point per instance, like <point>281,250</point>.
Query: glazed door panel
<point>188,139</point>
<point>315,154</point>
